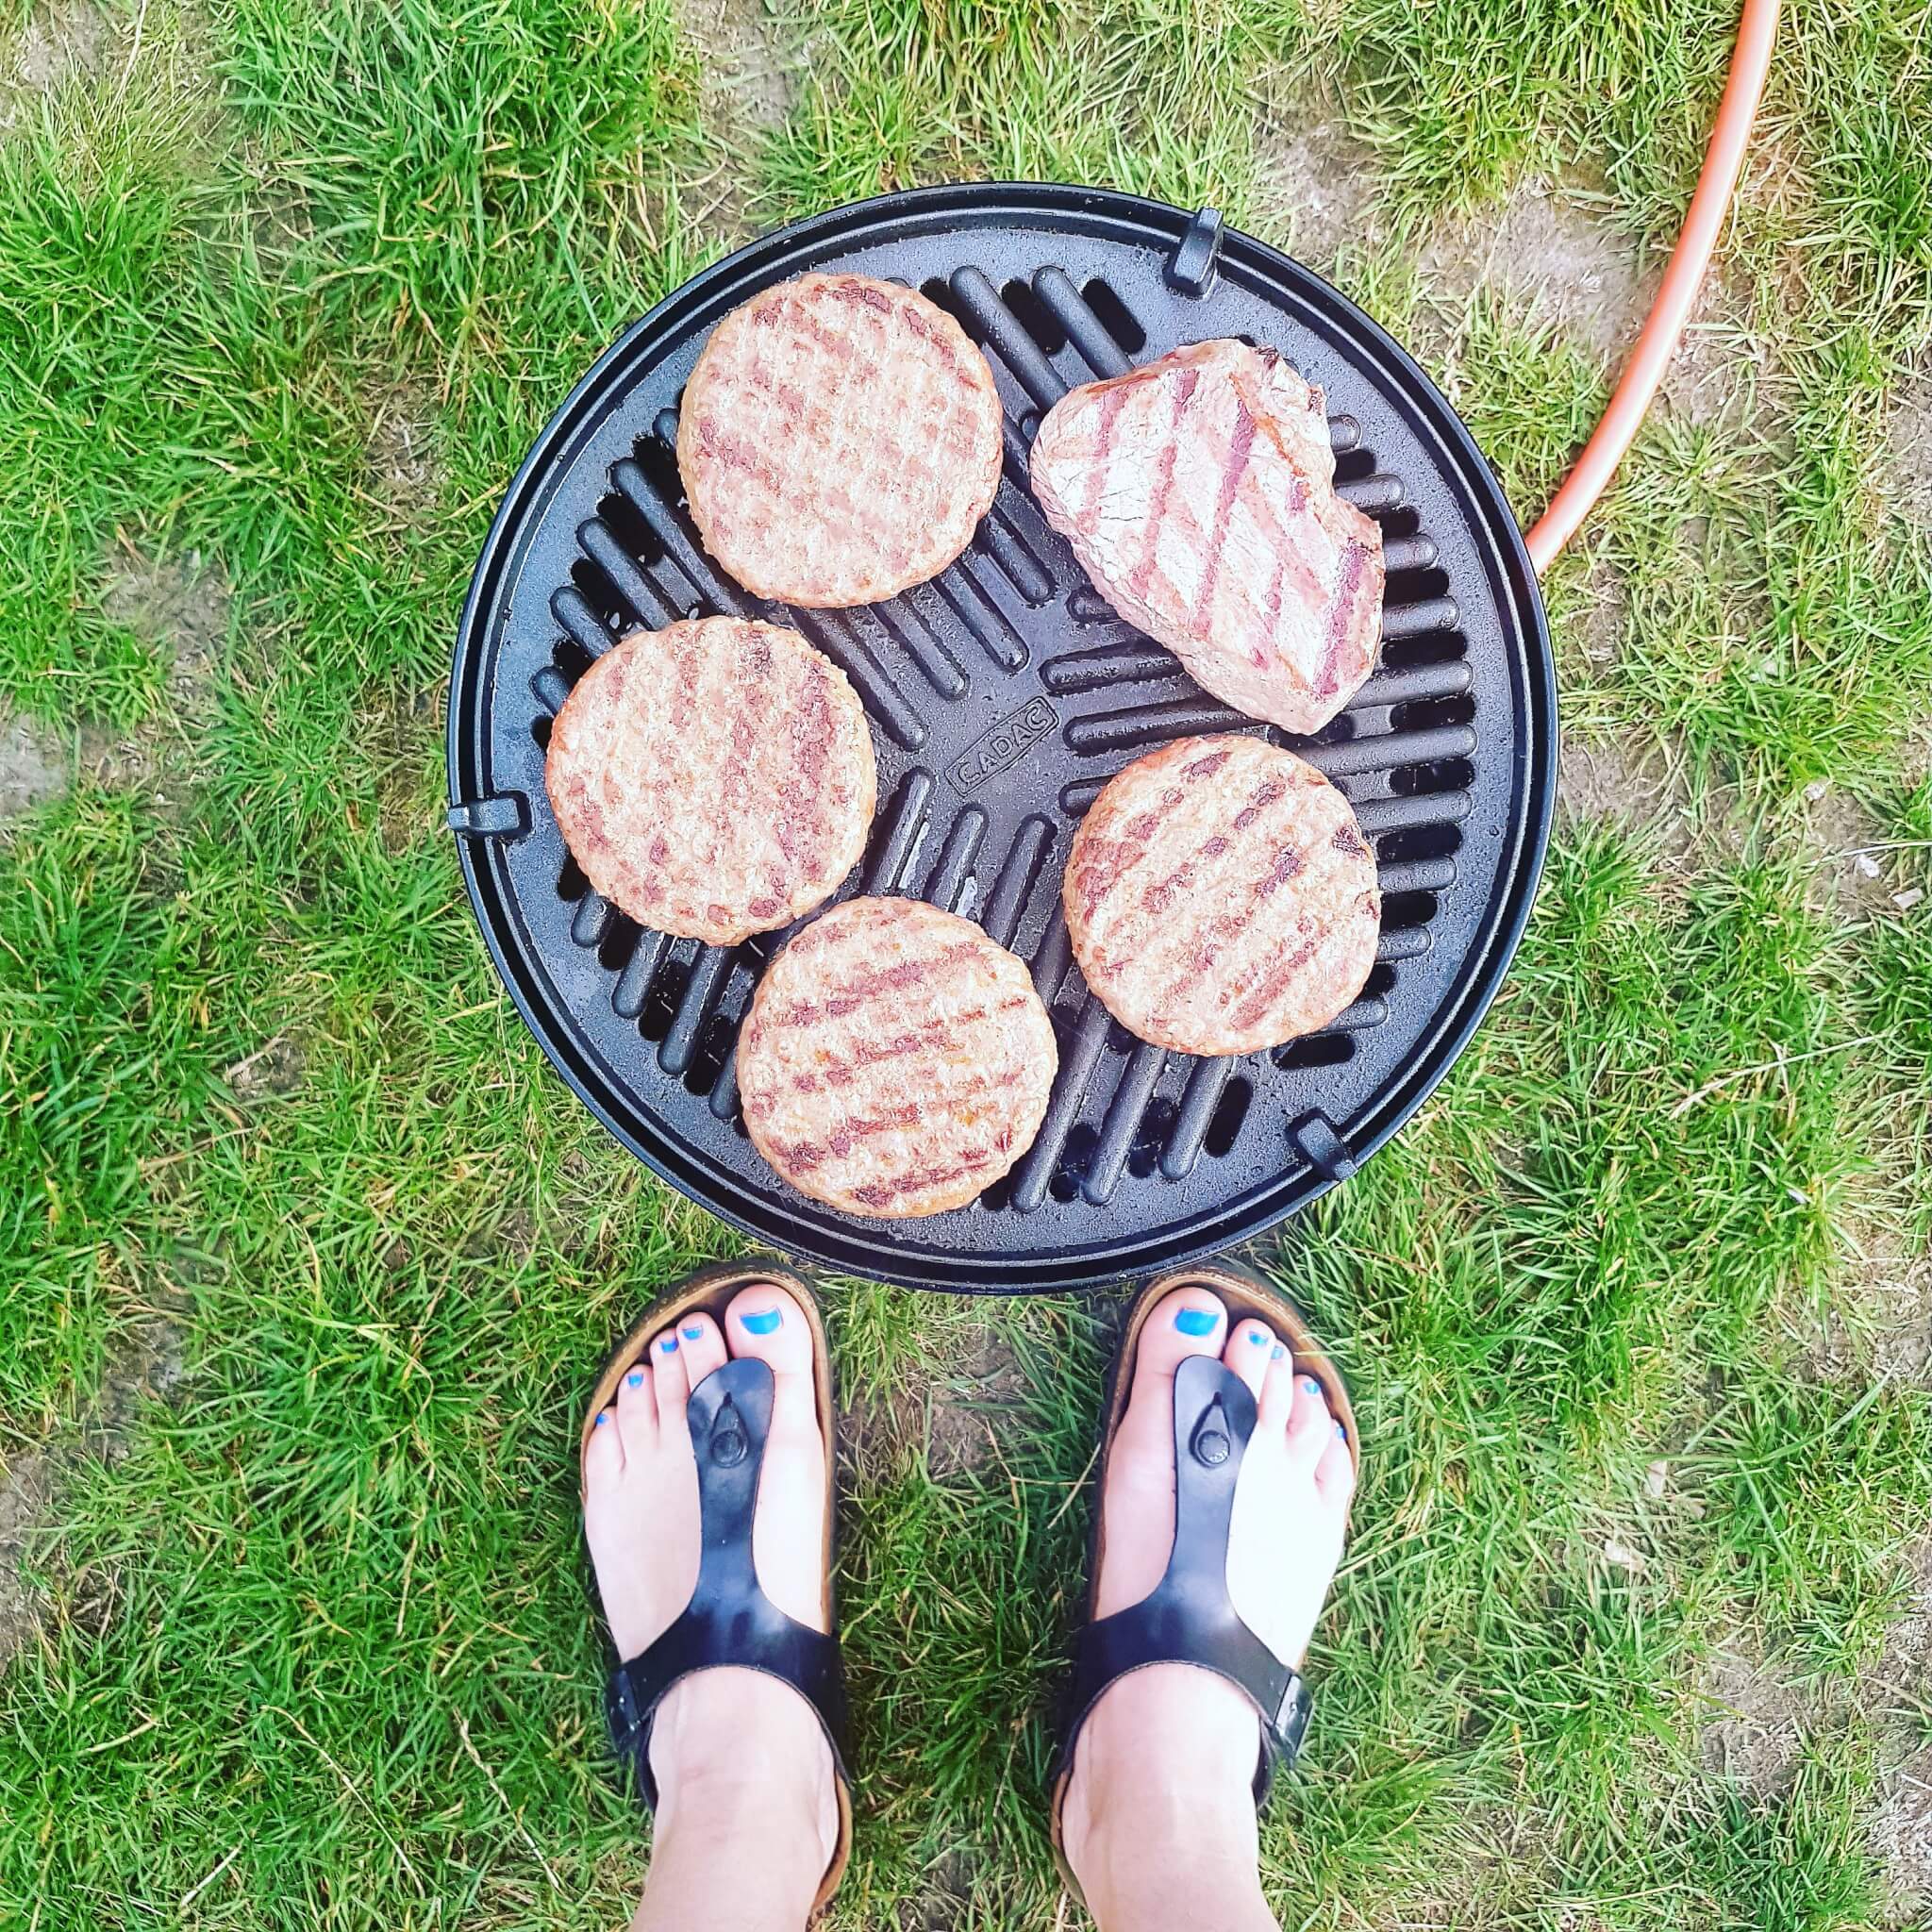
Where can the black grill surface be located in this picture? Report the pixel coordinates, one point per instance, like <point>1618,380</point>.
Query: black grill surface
<point>1002,695</point>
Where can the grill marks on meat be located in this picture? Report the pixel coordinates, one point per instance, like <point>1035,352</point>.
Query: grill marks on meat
<point>1198,493</point>
<point>714,779</point>
<point>1222,900</point>
<point>838,441</point>
<point>895,1060</point>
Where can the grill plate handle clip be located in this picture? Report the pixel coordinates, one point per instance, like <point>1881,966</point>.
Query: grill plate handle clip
<point>1196,256</point>
<point>502,815</point>
<point>1322,1147</point>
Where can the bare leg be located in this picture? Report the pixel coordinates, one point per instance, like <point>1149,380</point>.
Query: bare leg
<point>747,1811</point>
<point>1168,1836</point>
<point>1159,1820</point>
<point>743,1834</point>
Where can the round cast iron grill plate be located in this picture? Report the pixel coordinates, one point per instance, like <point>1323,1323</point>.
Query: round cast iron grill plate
<point>1001,696</point>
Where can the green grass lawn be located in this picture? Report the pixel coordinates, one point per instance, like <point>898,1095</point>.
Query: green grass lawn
<point>306,1257</point>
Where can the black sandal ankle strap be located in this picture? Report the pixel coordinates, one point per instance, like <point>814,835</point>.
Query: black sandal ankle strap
<point>1188,1618</point>
<point>730,1619</point>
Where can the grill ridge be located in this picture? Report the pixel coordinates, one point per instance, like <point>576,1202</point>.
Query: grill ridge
<point>1421,750</point>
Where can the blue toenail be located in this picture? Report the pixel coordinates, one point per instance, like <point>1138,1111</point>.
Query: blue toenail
<point>763,1323</point>
<point>600,1422</point>
<point>1313,1386</point>
<point>1195,1321</point>
<point>1276,1353</point>
<point>693,1334</point>
<point>1257,1336</point>
<point>669,1345</point>
<point>636,1378</point>
<point>1341,1432</point>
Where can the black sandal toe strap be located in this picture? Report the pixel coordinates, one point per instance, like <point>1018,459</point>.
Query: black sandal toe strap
<point>1190,1618</point>
<point>729,1619</point>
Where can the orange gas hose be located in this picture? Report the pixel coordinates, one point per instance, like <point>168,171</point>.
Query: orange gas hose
<point>1716,184</point>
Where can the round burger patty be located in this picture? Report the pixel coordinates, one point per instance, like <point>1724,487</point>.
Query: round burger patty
<point>838,441</point>
<point>1221,897</point>
<point>896,1061</point>
<point>714,778</point>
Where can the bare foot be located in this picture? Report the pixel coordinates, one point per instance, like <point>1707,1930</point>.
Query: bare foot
<point>1163,1765</point>
<point>730,1748</point>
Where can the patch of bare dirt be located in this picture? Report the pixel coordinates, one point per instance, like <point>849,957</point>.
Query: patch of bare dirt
<point>1900,1826</point>
<point>1500,1868</point>
<point>1314,182</point>
<point>181,606</point>
<point>1909,451</point>
<point>966,1409</point>
<point>1854,871</point>
<point>745,58</point>
<point>1878,1328</point>
<point>145,1363</point>
<point>1549,257</point>
<point>1547,253</point>
<point>944,1901</point>
<point>1636,786</point>
<point>32,769</point>
<point>1605,617</point>
<point>1756,1734</point>
<point>950,1415</point>
<point>1552,261</point>
<point>271,1071</point>
<point>752,61</point>
<point>26,1484</point>
<point>1900,1833</point>
<point>1721,361</point>
<point>59,43</point>
<point>404,473</point>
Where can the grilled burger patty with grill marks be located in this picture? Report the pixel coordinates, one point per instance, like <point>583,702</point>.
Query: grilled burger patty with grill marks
<point>838,441</point>
<point>1221,897</point>
<point>714,778</point>
<point>1198,493</point>
<point>895,1060</point>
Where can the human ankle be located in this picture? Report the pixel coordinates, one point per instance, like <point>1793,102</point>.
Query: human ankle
<point>1162,1780</point>
<point>741,1756</point>
<point>753,1861</point>
<point>1157,1855</point>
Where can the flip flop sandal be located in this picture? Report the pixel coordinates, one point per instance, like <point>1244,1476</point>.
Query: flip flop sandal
<point>730,1619</point>
<point>1188,1617</point>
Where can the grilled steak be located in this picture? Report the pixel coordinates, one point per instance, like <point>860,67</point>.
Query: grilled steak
<point>896,1061</point>
<point>838,441</point>
<point>1221,897</point>
<point>1198,493</point>
<point>714,778</point>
